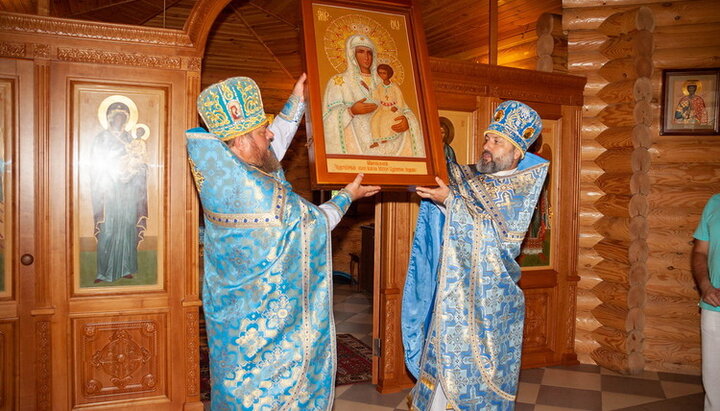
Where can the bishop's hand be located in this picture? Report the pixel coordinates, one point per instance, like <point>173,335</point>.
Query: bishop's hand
<point>299,88</point>
<point>357,191</point>
<point>438,194</point>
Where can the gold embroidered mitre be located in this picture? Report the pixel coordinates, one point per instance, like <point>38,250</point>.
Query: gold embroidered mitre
<point>232,107</point>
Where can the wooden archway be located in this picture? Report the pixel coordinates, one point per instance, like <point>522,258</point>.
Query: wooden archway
<point>198,25</point>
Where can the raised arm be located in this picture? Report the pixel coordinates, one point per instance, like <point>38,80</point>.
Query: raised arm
<point>287,121</point>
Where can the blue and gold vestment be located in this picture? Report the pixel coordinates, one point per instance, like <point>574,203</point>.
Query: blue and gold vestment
<point>266,291</point>
<point>463,312</point>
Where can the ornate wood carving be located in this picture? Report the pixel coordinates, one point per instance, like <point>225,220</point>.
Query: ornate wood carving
<point>201,19</point>
<point>570,318</point>
<point>119,358</point>
<point>41,51</point>
<point>118,58</point>
<point>450,86</point>
<point>535,333</point>
<point>43,368</point>
<point>389,349</point>
<point>192,353</point>
<point>194,63</point>
<point>92,30</point>
<point>8,49</point>
<point>521,93</point>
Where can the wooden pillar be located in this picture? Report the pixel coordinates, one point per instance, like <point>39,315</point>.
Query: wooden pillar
<point>43,309</point>
<point>191,294</point>
<point>493,32</point>
<point>627,116</point>
<point>395,216</point>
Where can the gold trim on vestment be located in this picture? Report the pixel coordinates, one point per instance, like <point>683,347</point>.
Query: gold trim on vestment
<point>273,218</point>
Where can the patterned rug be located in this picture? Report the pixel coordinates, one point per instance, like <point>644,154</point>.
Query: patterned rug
<point>353,356</point>
<point>354,360</point>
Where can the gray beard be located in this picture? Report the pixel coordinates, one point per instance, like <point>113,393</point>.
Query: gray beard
<point>493,166</point>
<point>486,168</point>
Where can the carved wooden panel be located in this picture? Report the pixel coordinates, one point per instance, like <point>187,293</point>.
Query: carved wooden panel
<point>537,314</point>
<point>119,358</point>
<point>390,352</point>
<point>91,30</point>
<point>192,352</point>
<point>43,365</point>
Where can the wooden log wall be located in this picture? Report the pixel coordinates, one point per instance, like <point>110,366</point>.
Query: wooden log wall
<point>641,192</point>
<point>551,47</point>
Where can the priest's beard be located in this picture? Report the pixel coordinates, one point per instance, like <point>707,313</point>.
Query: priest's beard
<point>495,164</point>
<point>270,162</point>
<point>264,159</point>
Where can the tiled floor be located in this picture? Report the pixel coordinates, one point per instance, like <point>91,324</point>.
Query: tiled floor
<point>353,313</point>
<point>581,387</point>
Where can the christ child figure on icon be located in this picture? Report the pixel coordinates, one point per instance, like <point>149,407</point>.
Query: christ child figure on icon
<point>390,100</point>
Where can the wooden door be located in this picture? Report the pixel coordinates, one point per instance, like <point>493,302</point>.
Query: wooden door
<point>99,288</point>
<point>115,203</point>
<point>20,319</point>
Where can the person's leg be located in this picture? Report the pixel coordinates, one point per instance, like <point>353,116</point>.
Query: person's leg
<point>710,328</point>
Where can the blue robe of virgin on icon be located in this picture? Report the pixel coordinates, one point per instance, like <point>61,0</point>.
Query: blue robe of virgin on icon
<point>463,312</point>
<point>267,279</point>
<point>119,197</point>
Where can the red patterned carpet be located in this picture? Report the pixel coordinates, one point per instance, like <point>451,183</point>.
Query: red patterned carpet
<point>353,356</point>
<point>354,360</point>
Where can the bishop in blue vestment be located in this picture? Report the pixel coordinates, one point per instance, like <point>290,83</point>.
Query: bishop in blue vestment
<point>463,312</point>
<point>267,282</point>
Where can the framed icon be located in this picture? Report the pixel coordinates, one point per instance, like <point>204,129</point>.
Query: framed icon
<point>690,102</point>
<point>371,109</point>
<point>118,139</point>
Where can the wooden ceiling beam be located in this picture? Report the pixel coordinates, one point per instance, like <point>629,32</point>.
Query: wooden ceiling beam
<point>277,60</point>
<point>493,32</point>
